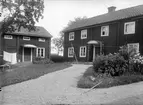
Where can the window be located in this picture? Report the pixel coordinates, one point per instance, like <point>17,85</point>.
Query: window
<point>83,51</point>
<point>83,34</point>
<point>8,37</point>
<point>129,28</point>
<point>26,38</point>
<point>70,52</point>
<point>71,36</point>
<point>41,52</point>
<point>41,39</point>
<point>105,31</point>
<point>133,46</point>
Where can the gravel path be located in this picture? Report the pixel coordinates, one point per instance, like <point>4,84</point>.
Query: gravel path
<point>60,87</point>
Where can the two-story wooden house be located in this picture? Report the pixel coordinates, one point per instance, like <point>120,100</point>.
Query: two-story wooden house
<point>104,34</point>
<point>24,45</point>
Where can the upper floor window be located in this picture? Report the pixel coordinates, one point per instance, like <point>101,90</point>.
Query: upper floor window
<point>129,28</point>
<point>83,51</point>
<point>8,37</point>
<point>40,52</point>
<point>83,34</point>
<point>70,51</point>
<point>71,36</point>
<point>26,38</point>
<point>133,47</point>
<point>41,39</point>
<point>105,31</point>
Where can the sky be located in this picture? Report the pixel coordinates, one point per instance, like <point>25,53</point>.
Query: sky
<point>57,13</point>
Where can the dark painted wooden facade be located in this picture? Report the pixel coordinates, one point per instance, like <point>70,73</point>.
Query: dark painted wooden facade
<point>111,43</point>
<point>16,45</point>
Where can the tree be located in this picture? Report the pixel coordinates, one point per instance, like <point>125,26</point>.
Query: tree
<point>58,42</point>
<point>20,13</point>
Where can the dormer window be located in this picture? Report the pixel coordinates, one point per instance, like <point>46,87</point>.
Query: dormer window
<point>71,36</point>
<point>105,31</point>
<point>41,39</point>
<point>83,34</point>
<point>8,37</point>
<point>26,38</point>
<point>129,28</point>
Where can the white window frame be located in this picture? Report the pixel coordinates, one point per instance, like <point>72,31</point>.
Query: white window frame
<point>71,36</point>
<point>133,45</point>
<point>83,34</point>
<point>131,31</point>
<point>82,54</point>
<point>40,52</point>
<point>70,49</point>
<point>8,37</point>
<point>107,31</point>
<point>41,39</point>
<point>26,38</point>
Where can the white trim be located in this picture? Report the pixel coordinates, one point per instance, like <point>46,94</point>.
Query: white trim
<point>84,32</point>
<point>41,39</point>
<point>133,45</point>
<point>81,48</point>
<point>70,49</point>
<point>40,52</point>
<point>71,36</point>
<point>107,31</point>
<point>31,54</point>
<point>8,37</point>
<point>125,27</point>
<point>26,38</point>
<point>23,55</point>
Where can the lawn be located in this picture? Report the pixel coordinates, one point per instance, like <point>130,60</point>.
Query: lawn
<point>30,72</point>
<point>107,81</point>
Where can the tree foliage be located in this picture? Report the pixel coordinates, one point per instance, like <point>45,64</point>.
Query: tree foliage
<point>58,42</point>
<point>20,13</point>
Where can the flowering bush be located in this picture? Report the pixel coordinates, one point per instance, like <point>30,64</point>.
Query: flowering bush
<point>39,60</point>
<point>112,64</point>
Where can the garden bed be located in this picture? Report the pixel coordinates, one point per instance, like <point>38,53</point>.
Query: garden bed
<point>107,81</point>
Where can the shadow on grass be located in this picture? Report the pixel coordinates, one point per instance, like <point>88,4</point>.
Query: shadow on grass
<point>32,71</point>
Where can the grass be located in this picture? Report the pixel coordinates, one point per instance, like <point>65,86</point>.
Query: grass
<point>30,72</point>
<point>107,81</point>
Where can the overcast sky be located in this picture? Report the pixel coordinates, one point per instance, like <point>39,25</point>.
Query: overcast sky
<point>59,12</point>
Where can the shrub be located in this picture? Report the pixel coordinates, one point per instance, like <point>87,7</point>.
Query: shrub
<point>112,64</point>
<point>39,60</point>
<point>57,58</point>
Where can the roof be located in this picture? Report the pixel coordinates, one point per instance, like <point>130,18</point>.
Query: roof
<point>39,32</point>
<point>108,17</point>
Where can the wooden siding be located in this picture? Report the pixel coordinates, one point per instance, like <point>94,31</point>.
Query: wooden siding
<point>112,42</point>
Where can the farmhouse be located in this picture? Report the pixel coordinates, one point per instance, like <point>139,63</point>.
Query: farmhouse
<point>104,34</point>
<point>24,45</point>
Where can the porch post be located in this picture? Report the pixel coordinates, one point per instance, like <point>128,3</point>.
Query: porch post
<point>31,55</point>
<point>23,55</point>
<point>93,52</point>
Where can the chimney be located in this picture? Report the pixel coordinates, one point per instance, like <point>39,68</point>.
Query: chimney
<point>111,9</point>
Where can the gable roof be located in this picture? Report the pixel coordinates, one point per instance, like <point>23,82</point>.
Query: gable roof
<point>108,17</point>
<point>39,32</point>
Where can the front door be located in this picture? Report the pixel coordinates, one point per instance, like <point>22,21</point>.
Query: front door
<point>27,54</point>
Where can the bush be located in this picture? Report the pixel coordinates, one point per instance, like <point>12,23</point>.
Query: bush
<point>112,64</point>
<point>39,60</point>
<point>57,58</point>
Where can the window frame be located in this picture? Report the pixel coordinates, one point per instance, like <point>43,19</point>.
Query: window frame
<point>129,44</point>
<point>69,49</point>
<point>40,52</point>
<point>107,33</point>
<point>5,37</point>
<point>71,34</point>
<point>125,27</point>
<point>41,39</point>
<point>26,38</point>
<point>80,53</point>
<point>84,32</point>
